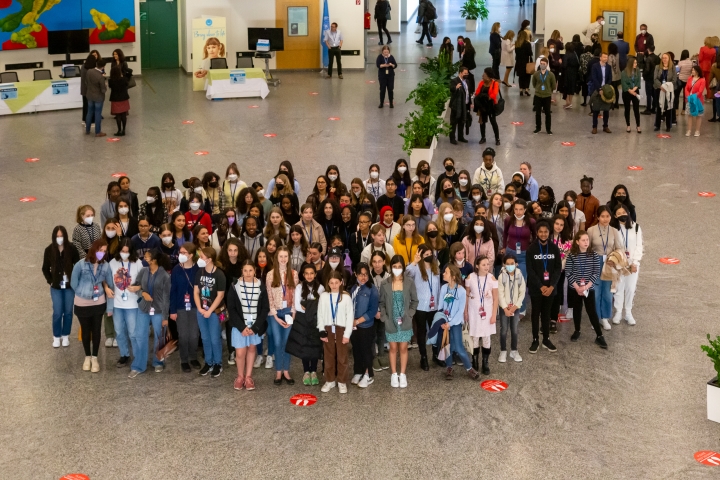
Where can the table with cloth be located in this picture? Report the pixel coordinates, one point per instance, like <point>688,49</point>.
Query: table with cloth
<point>40,96</point>
<point>218,85</point>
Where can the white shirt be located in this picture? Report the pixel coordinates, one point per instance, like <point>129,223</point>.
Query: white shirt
<point>132,269</point>
<point>333,39</point>
<point>298,297</point>
<point>376,189</point>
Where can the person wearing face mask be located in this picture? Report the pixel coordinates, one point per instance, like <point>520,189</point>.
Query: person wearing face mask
<point>195,215</point>
<point>641,43</point>
<point>489,175</point>
<point>620,195</point>
<point>429,183</point>
<point>604,239</point>
<point>112,235</point>
<point>463,189</point>
<point>577,215</point>
<point>594,28</point>
<point>154,209</point>
<point>481,310</point>
<point>424,271</point>
<point>386,66</point>
<point>544,83</point>
<point>459,105</point>
<point>90,280</point>
<point>374,184</point>
<point>285,168</point>
<point>125,224</point>
<point>449,173</point>
<point>232,186</point>
<point>194,185</point>
<point>511,294</point>
<point>632,238</point>
<point>209,295</point>
<point>107,210</point>
<point>171,196</point>
<point>419,195</point>
<point>169,247</point>
<point>518,234</point>
<point>447,224</point>
<point>365,305</point>
<point>58,261</point>
<point>129,195</point>
<point>281,283</point>
<point>478,242</point>
<point>145,240</point>
<point>86,231</point>
<point>401,175</point>
<point>125,268</point>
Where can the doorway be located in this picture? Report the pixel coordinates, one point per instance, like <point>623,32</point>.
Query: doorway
<point>159,34</point>
<point>302,34</point>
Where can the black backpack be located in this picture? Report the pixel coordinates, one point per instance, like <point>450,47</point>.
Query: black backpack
<point>430,11</point>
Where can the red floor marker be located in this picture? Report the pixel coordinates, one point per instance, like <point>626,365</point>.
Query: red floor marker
<point>113,140</point>
<point>635,167</point>
<point>562,318</point>
<point>494,385</point>
<point>313,93</point>
<point>517,123</point>
<point>669,260</point>
<point>303,399</point>
<point>403,70</point>
<point>75,476</point>
<point>333,118</point>
<point>567,144</point>
<point>119,174</point>
<point>253,106</point>
<point>32,160</point>
<point>663,135</point>
<point>201,153</point>
<point>423,59</point>
<point>708,457</point>
<point>269,135</point>
<point>369,81</point>
<point>700,194</point>
<point>188,122</point>
<point>28,199</point>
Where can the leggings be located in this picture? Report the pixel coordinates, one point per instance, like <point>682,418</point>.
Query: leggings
<point>420,325</point>
<point>487,116</point>
<point>309,365</point>
<point>363,342</point>
<point>91,327</point>
<point>576,302</point>
<point>121,119</point>
<point>631,100</point>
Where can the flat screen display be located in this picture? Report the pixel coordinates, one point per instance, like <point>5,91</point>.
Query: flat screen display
<point>275,35</point>
<point>61,42</point>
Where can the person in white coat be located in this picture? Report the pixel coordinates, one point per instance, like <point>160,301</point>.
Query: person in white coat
<point>632,240</point>
<point>511,292</point>
<point>489,175</point>
<point>592,29</point>
<point>507,55</point>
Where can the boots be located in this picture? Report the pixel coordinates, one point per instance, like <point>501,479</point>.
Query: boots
<point>485,359</point>
<point>424,364</point>
<point>475,355</point>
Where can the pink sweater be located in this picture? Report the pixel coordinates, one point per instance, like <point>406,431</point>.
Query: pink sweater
<point>487,249</point>
<point>275,294</point>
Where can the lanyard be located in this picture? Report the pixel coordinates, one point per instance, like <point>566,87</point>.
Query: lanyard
<point>478,246</point>
<point>544,255</point>
<point>190,284</point>
<point>375,192</point>
<point>364,240</point>
<point>625,237</point>
<point>232,191</point>
<point>308,234</point>
<point>282,283</point>
<point>543,77</point>
<point>387,230</point>
<point>334,311</point>
<point>328,233</point>
<point>604,242</point>
<point>452,302</point>
<point>489,182</point>
<point>429,281</point>
<point>245,292</point>
<point>482,292</point>
<point>512,285</point>
<point>93,273</point>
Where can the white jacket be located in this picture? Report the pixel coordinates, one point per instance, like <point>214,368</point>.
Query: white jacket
<point>667,92</point>
<point>594,27</point>
<point>344,317</point>
<point>507,57</point>
<point>518,294</point>
<point>491,180</point>
<point>634,243</point>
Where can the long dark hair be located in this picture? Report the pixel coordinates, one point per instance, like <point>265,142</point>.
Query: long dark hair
<point>566,234</point>
<point>120,54</point>
<point>290,173</point>
<point>185,230</point>
<point>90,62</point>
<point>67,266</point>
<point>224,259</point>
<point>405,178</point>
<point>157,217</point>
<point>126,242</point>
<point>308,288</point>
<point>162,260</point>
<point>415,197</point>
<point>614,222</point>
<point>569,222</point>
<point>241,205</point>
<point>473,235</point>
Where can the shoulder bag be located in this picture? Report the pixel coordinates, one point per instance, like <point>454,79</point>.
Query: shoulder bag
<point>166,346</point>
<point>500,105</point>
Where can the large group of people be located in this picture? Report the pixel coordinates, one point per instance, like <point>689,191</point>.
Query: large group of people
<point>370,266</point>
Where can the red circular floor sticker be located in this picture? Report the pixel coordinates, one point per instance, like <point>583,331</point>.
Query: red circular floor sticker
<point>663,135</point>
<point>201,153</point>
<point>403,70</point>
<point>669,260</point>
<point>334,118</point>
<point>369,81</point>
<point>32,160</point>
<point>706,194</point>
<point>119,174</point>
<point>313,93</point>
<point>253,106</point>
<point>28,199</point>
<point>269,135</point>
<point>635,167</point>
<point>567,144</point>
<point>518,123</point>
<point>75,476</point>
<point>113,140</point>
<point>188,122</point>
<point>708,457</point>
<point>303,399</point>
<point>494,385</point>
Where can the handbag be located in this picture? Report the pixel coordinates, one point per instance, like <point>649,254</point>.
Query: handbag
<point>131,82</point>
<point>166,346</point>
<point>444,352</point>
<point>530,67</point>
<point>500,105</point>
<point>467,339</point>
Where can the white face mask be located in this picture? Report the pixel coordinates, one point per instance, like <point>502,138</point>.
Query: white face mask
<point>182,258</point>
<point>571,204</point>
<point>60,240</point>
<point>124,255</point>
<point>167,240</point>
<point>110,233</point>
<point>123,210</point>
<point>448,217</point>
<point>519,217</point>
<point>643,32</point>
<point>463,181</point>
<point>477,197</point>
<point>150,200</point>
<point>332,177</point>
<point>261,193</point>
<point>201,263</point>
<point>397,271</point>
<point>232,177</point>
<point>479,228</point>
<point>334,265</point>
<point>197,189</point>
<point>506,205</point>
<point>194,206</point>
<point>552,50</point>
<point>88,220</point>
<point>402,170</point>
<point>459,262</point>
<point>602,22</point>
<point>374,175</point>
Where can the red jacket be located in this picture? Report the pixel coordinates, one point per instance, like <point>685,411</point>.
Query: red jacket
<point>698,88</point>
<point>494,91</point>
<point>706,57</point>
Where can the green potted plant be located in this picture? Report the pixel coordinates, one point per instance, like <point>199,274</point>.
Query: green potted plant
<point>471,11</point>
<point>429,95</point>
<point>420,132</point>
<point>713,386</point>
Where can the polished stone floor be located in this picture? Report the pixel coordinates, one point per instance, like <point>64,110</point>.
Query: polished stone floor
<point>635,411</point>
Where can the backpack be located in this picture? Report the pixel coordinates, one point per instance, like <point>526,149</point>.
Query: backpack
<point>430,12</point>
<point>432,29</point>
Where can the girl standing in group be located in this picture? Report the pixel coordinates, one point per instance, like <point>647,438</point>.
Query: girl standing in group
<point>418,211</point>
<point>511,294</point>
<point>125,268</point>
<point>335,186</point>
<point>497,214</point>
<point>447,224</point>
<point>298,247</point>
<point>312,229</point>
<point>577,215</point>
<point>621,196</point>
<point>171,196</point>
<point>562,238</point>
<point>437,244</point>
<point>366,303</point>
<point>481,309</point>
<point>276,225</point>
<point>248,309</point>
<point>401,175</point>
<point>518,234</point>
<point>91,280</point>
<point>398,303</point>
<point>407,241</point>
<point>604,240</point>
<point>209,295</point>
<point>452,302</point>
<point>58,261</point>
<point>231,260</point>
<point>478,243</point>
<point>425,273</point>
<point>457,258</point>
<point>375,185</point>
<point>304,339</point>
<point>183,310</point>
<point>379,273</point>
<point>86,232</point>
<point>281,283</point>
<point>632,239</point>
<point>129,195</point>
<point>335,322</point>
<point>232,186</point>
<point>168,247</point>
<point>181,232</point>
<point>128,224</point>
<point>154,210</point>
<point>428,182</point>
<point>107,209</point>
<point>251,237</point>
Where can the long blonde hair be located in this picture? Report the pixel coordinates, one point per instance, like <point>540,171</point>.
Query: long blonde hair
<point>289,280</point>
<point>287,188</point>
<point>555,35</point>
<point>509,35</point>
<point>521,39</point>
<point>446,228</point>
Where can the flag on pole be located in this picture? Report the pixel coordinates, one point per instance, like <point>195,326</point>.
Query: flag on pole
<point>325,29</point>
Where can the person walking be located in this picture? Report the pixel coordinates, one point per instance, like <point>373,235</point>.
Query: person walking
<point>693,92</point>
<point>630,80</point>
<point>543,81</point>
<point>382,14</point>
<point>95,94</point>
<point>334,42</point>
<point>58,261</point>
<point>602,99</point>
<point>119,99</point>
<point>664,82</point>
<point>496,48</point>
<point>486,97</point>
<point>523,56</point>
<point>426,14</point>
<point>506,56</point>
<point>386,65</point>
<point>458,106</point>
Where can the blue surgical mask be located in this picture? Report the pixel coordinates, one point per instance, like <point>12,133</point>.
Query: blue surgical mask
<point>510,268</point>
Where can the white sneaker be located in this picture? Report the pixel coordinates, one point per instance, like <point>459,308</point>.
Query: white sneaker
<point>403,381</point>
<point>515,355</point>
<point>114,342</point>
<point>95,365</point>
<point>65,341</point>
<point>56,342</point>
<point>616,320</point>
<point>158,368</point>
<point>327,387</point>
<point>687,134</point>
<point>342,388</point>
<point>108,342</point>
<point>605,324</point>
<point>503,357</point>
<point>133,374</point>
<point>258,361</point>
<point>697,134</point>
<point>86,364</point>
<point>630,319</point>
<point>394,381</point>
<point>355,379</point>
<point>231,358</point>
<point>269,362</point>
<point>365,381</point>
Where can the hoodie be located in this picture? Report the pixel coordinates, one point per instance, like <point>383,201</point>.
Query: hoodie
<point>540,259</point>
<point>491,180</point>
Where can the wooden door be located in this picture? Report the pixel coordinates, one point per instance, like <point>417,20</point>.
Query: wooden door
<point>629,27</point>
<point>300,52</point>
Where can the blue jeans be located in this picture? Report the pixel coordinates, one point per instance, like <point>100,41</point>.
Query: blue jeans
<point>62,303</point>
<point>456,346</point>
<point>139,340</point>
<point>280,337</point>
<point>211,338</point>
<point>124,321</point>
<point>512,323</point>
<point>94,112</point>
<point>270,344</point>
<point>603,299</point>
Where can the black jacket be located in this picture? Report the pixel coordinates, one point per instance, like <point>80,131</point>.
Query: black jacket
<point>235,312</point>
<point>356,247</point>
<point>495,44</point>
<point>458,105</point>
<point>523,56</point>
<point>536,267</point>
<point>53,277</point>
<point>396,203</point>
<point>304,337</point>
<point>381,10</point>
<point>118,89</point>
<point>648,71</point>
<point>381,71</point>
<point>468,60</point>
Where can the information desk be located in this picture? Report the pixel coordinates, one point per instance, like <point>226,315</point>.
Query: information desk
<point>40,96</point>
<point>218,84</point>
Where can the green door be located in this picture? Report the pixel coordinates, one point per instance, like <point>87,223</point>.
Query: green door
<point>159,34</point>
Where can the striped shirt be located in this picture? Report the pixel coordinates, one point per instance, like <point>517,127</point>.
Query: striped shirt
<point>583,266</point>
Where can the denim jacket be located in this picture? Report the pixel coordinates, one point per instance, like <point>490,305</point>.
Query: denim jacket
<point>82,278</point>
<point>366,303</point>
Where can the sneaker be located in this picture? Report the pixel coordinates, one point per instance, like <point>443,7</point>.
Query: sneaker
<point>449,373</point>
<point>376,364</point>
<point>534,347</point>
<point>239,382</point>
<point>258,361</point>
<point>394,380</point>
<point>231,358</point>
<point>342,388</point>
<point>327,387</point>
<point>356,379</point>
<point>109,342</point>
<point>403,380</point>
<point>616,320</point>
<point>133,374</point>
<point>159,368</point>
<point>630,319</point>
<point>249,384</point>
<point>412,345</point>
<point>122,362</point>
<point>86,364</point>
<point>216,371</point>
<point>383,363</point>
<point>553,327</point>
<point>605,324</point>
<point>314,379</point>
<point>601,342</point>
<point>185,367</point>
<point>205,370</point>
<point>503,357</point>
<point>365,381</point>
<point>697,134</point>
<point>115,343</point>
<point>549,345</point>
<point>549,132</point>
<point>515,355</point>
<point>306,379</point>
<point>95,366</point>
<point>537,130</point>
<point>195,364</point>
<point>473,374</point>
<point>575,336</point>
<point>65,341</point>
<point>269,362</point>
<point>56,342</point>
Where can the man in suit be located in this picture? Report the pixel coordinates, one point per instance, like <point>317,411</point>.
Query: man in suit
<point>600,75</point>
<point>623,49</point>
<point>459,105</point>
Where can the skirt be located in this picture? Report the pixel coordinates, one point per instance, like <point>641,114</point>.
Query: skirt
<point>239,341</point>
<point>402,336</point>
<point>119,107</point>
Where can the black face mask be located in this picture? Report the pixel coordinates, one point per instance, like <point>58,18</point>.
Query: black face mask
<point>433,234</point>
<point>449,168</point>
<point>622,218</point>
<point>168,186</point>
<point>367,205</point>
<point>425,171</point>
<point>429,258</point>
<point>448,191</point>
<point>213,184</point>
<point>620,198</point>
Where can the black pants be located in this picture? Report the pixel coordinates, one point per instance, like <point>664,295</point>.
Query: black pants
<point>421,320</point>
<point>649,92</point>
<point>425,33</point>
<point>606,118</point>
<point>91,329</point>
<point>362,341</point>
<point>334,53</point>
<point>541,311</point>
<point>629,101</point>
<point>576,302</point>
<point>85,107</point>
<point>309,365</point>
<point>456,124</point>
<point>379,337</point>
<point>387,82</point>
<point>489,117</point>
<point>584,88</point>
<point>542,103</point>
<point>382,27</point>
<point>660,115</point>
<point>496,64</point>
<point>558,298</point>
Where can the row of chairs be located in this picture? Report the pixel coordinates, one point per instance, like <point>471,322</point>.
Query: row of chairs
<point>221,63</point>
<point>68,72</point>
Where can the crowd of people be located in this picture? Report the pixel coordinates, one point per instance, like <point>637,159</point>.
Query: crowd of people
<point>377,264</point>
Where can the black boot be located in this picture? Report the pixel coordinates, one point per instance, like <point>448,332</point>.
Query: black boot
<point>475,355</point>
<point>485,359</point>
<point>424,364</point>
<point>435,358</point>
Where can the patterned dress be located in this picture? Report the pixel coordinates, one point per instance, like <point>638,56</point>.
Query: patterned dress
<point>398,312</point>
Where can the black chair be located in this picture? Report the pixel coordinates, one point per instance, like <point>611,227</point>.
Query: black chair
<point>71,71</point>
<point>244,62</point>
<point>9,77</point>
<point>42,75</point>
<point>218,64</point>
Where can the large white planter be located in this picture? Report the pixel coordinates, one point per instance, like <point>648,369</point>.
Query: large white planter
<point>470,25</point>
<point>444,112</point>
<point>419,154</point>
<point>713,400</point>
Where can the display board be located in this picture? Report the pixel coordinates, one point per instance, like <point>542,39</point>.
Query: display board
<point>209,40</point>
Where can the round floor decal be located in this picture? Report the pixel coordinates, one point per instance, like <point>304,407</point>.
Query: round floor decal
<point>494,385</point>
<point>201,153</point>
<point>567,144</point>
<point>635,167</point>
<point>303,399</point>
<point>369,81</point>
<point>188,122</point>
<point>334,118</point>
<point>253,106</point>
<point>708,457</point>
<point>269,135</point>
<point>75,476</point>
<point>313,93</point>
<point>669,260</point>
<point>32,160</point>
<point>663,135</point>
<point>706,194</point>
<point>518,123</point>
<point>119,174</point>
<point>28,199</point>
<point>113,140</point>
